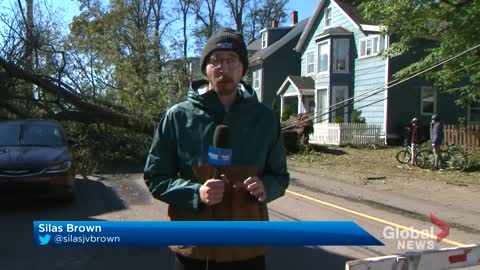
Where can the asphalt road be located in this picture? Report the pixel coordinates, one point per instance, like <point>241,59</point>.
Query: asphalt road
<point>126,198</point>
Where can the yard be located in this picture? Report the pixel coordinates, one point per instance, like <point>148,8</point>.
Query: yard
<point>368,165</point>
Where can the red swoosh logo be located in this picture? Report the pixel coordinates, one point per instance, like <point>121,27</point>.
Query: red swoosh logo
<point>442,225</point>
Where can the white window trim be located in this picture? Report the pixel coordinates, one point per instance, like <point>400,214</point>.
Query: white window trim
<point>329,57</point>
<point>291,94</point>
<point>326,117</point>
<point>314,66</point>
<point>257,71</point>
<point>264,40</point>
<point>325,18</point>
<point>347,60</point>
<point>381,45</point>
<point>435,101</point>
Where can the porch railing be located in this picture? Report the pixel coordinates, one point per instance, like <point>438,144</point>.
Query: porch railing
<point>346,133</point>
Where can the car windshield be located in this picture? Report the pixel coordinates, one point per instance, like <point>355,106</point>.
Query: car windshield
<point>38,134</point>
<point>9,134</point>
<point>31,134</point>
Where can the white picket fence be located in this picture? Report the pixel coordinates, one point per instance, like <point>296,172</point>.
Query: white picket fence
<point>346,133</point>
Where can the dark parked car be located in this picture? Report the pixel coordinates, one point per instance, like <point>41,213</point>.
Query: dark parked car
<point>35,160</point>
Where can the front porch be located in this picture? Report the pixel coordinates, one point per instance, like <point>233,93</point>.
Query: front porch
<point>297,95</point>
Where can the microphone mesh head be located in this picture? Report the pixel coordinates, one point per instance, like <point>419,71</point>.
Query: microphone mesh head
<point>220,137</point>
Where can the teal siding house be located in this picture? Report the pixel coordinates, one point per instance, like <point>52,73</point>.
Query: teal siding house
<point>341,71</point>
<point>272,57</point>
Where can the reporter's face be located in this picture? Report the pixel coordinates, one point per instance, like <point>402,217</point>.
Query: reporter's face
<point>224,72</point>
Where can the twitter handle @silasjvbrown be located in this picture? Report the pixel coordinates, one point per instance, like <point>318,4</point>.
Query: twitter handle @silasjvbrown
<point>80,239</point>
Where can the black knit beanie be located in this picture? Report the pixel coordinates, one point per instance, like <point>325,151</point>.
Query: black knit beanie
<point>225,39</point>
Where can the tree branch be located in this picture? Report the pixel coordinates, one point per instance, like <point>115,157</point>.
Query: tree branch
<point>92,112</point>
<point>456,5</point>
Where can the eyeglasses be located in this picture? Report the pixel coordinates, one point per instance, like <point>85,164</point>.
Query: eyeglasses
<point>230,63</point>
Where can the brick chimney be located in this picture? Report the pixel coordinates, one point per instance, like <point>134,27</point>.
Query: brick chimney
<point>274,23</point>
<point>294,17</point>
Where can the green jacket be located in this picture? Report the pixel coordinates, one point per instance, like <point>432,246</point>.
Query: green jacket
<point>185,133</point>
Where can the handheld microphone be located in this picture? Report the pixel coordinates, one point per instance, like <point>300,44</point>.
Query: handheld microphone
<point>220,155</point>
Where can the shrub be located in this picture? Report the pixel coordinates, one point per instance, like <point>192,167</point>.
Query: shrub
<point>357,117</point>
<point>287,112</point>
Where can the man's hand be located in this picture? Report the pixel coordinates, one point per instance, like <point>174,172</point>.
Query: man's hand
<point>211,192</point>
<point>255,186</point>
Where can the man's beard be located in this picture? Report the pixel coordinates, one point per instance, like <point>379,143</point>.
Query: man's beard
<point>226,86</point>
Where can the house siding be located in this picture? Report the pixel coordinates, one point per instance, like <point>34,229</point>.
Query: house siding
<point>291,90</point>
<point>284,62</point>
<point>364,74</point>
<point>405,99</point>
<point>369,79</point>
<point>368,76</point>
<point>275,34</point>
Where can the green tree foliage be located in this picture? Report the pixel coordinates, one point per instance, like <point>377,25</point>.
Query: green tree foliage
<point>452,25</point>
<point>339,119</point>
<point>287,112</point>
<point>121,48</point>
<point>122,63</point>
<point>357,117</point>
<point>275,105</point>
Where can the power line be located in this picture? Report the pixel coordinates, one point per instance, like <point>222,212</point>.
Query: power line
<point>382,87</point>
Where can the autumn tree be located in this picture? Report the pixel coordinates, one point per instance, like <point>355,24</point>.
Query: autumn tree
<point>207,21</point>
<point>237,8</point>
<point>260,14</point>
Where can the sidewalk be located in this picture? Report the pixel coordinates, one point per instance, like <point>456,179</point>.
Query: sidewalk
<point>456,204</point>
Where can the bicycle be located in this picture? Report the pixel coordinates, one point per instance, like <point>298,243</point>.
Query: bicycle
<point>405,155</point>
<point>453,158</point>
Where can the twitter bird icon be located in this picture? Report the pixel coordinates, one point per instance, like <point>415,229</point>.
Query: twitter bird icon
<point>44,239</point>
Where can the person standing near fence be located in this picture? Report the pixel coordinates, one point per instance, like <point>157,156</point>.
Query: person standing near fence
<point>416,139</point>
<point>437,141</point>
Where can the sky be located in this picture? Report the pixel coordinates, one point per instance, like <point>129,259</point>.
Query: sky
<point>66,9</point>
<point>305,8</point>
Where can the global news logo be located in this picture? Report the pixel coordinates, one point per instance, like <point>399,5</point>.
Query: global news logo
<point>410,238</point>
<point>44,239</point>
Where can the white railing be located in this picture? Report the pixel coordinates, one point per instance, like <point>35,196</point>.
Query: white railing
<point>346,133</point>
<point>445,258</point>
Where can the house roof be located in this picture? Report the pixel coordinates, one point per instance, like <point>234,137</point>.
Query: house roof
<point>302,84</point>
<point>267,52</point>
<point>333,31</point>
<point>349,9</point>
<point>255,45</point>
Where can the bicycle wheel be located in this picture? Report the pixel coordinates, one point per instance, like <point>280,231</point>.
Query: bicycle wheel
<point>425,159</point>
<point>456,161</point>
<point>404,156</point>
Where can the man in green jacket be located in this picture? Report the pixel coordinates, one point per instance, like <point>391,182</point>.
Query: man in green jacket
<point>177,170</point>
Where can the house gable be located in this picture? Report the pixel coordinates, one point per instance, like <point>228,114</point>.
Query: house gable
<point>348,12</point>
<point>341,26</point>
<point>296,85</point>
<point>269,66</point>
<point>324,38</point>
<point>288,88</point>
